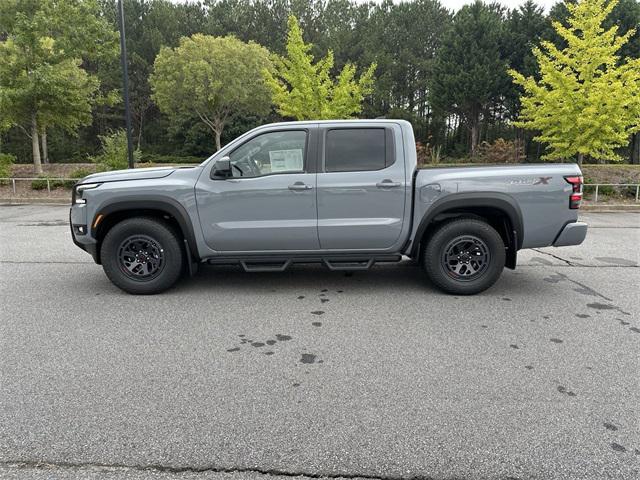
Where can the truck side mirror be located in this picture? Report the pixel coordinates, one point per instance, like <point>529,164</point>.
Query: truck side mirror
<point>222,169</point>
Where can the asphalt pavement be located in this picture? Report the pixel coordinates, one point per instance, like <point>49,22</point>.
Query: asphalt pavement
<point>312,373</point>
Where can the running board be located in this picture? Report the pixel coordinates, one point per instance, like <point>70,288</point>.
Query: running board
<point>280,264</point>
<point>264,266</point>
<point>353,265</point>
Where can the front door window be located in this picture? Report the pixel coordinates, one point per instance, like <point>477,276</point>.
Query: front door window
<point>270,153</point>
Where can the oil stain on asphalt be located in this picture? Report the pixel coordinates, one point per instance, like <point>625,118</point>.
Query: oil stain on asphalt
<point>601,306</point>
<point>564,391</point>
<point>256,344</point>
<point>309,358</point>
<point>618,448</point>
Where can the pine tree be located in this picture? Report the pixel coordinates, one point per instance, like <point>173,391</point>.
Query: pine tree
<point>469,74</point>
<point>587,101</point>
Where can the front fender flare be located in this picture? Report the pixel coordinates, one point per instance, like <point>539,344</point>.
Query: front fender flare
<point>167,205</point>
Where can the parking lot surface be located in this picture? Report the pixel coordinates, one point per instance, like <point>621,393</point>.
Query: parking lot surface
<point>313,373</point>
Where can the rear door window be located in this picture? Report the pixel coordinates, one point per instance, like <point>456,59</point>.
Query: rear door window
<point>357,149</point>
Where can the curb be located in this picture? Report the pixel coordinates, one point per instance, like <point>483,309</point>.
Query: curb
<point>611,208</point>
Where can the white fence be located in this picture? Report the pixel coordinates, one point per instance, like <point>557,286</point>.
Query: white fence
<point>48,181</point>
<point>597,186</point>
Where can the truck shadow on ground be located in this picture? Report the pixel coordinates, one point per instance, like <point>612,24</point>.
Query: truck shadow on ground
<point>384,279</point>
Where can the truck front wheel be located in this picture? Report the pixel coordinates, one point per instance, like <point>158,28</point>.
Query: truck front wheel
<point>142,255</point>
<point>464,256</point>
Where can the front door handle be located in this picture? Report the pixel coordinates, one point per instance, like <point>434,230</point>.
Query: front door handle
<point>298,186</point>
<point>386,183</point>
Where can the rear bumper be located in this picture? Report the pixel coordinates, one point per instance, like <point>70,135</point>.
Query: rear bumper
<point>572,234</point>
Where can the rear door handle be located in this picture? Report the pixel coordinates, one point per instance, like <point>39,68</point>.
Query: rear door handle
<point>386,183</point>
<point>298,186</point>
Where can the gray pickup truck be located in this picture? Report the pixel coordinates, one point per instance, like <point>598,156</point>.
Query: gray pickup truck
<point>347,194</point>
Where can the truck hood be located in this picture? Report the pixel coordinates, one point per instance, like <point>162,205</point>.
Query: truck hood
<point>132,174</point>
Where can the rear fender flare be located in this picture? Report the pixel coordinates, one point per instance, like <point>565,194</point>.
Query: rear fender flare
<point>461,201</point>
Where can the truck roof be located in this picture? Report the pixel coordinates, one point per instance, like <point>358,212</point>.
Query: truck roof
<point>346,121</point>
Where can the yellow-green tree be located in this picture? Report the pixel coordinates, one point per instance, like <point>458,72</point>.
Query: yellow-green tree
<point>587,100</point>
<point>305,91</point>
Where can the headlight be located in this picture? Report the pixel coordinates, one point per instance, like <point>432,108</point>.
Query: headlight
<point>79,189</point>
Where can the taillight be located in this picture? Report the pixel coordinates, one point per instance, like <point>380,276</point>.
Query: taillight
<point>575,199</point>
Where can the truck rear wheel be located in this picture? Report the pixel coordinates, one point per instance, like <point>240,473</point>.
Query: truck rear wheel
<point>142,256</point>
<point>464,256</point>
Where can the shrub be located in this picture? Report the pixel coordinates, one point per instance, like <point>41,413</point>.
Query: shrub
<point>157,158</point>
<point>422,152</point>
<point>436,155</point>
<point>41,183</point>
<point>606,190</point>
<point>114,152</point>
<point>80,173</point>
<point>6,162</point>
<point>428,154</point>
<point>501,151</point>
<point>74,176</point>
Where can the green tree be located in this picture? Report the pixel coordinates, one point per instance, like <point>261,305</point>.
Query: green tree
<point>215,79</point>
<point>150,25</point>
<point>403,40</point>
<point>114,152</point>
<point>523,31</point>
<point>587,101</point>
<point>42,83</point>
<point>470,71</point>
<point>304,90</point>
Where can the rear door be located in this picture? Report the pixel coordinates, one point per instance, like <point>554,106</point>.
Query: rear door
<point>362,186</point>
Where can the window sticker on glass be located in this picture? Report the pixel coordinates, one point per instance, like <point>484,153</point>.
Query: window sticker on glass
<point>286,160</point>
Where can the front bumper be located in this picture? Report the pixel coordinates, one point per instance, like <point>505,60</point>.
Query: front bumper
<point>77,220</point>
<point>572,234</point>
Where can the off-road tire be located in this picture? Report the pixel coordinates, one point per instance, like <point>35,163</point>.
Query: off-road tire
<point>440,256</point>
<point>164,252</point>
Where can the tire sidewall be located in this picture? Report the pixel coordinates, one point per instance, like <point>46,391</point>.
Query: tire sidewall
<point>160,233</point>
<point>443,235</point>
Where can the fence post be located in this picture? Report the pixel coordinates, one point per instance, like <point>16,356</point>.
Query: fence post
<point>637,192</point>
<point>13,181</point>
<point>596,197</point>
<point>48,186</point>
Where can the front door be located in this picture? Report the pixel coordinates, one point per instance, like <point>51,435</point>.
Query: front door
<point>362,188</point>
<point>270,202</point>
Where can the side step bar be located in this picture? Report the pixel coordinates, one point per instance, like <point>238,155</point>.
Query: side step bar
<point>348,265</point>
<point>265,267</point>
<point>280,264</point>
